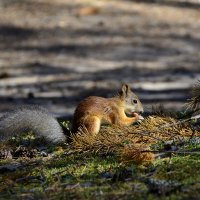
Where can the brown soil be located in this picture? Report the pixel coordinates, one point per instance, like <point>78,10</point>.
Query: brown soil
<point>54,53</point>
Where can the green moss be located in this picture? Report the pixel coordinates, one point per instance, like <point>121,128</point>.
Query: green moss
<point>180,168</point>
<point>88,176</point>
<point>67,174</point>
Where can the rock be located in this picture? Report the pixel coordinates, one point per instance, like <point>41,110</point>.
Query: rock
<point>10,167</point>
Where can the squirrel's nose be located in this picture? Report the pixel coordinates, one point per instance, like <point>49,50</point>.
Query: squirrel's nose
<point>141,110</point>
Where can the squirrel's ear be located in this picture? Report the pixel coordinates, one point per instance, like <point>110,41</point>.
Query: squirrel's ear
<point>124,90</point>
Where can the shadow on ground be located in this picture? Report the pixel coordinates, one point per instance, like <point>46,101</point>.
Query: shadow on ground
<point>55,57</point>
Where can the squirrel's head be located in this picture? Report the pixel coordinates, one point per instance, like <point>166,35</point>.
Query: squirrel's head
<point>132,102</point>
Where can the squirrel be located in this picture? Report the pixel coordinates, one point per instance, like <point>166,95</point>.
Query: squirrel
<point>90,114</point>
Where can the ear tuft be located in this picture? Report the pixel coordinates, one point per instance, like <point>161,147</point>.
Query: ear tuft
<point>124,90</point>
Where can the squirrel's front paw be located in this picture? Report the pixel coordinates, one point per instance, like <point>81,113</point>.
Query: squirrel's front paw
<point>137,116</point>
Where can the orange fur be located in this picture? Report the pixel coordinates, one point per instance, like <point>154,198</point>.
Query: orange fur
<point>93,111</point>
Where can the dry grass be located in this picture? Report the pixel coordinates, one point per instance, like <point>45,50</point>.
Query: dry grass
<point>134,143</point>
<point>194,102</point>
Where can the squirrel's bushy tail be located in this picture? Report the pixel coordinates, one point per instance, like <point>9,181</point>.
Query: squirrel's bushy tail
<point>31,118</point>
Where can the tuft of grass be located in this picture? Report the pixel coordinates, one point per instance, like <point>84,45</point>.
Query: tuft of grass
<point>194,102</point>
<point>136,143</point>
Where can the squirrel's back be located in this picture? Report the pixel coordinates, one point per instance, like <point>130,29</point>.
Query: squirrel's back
<point>31,118</point>
<point>92,105</point>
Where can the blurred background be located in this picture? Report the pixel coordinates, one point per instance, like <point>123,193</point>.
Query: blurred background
<point>55,53</point>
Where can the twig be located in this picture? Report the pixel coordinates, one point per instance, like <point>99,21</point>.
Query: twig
<point>171,151</point>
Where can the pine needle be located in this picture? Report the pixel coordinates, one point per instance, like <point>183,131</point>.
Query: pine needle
<point>133,143</point>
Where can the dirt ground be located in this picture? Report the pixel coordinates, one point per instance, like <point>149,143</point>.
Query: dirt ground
<point>54,53</point>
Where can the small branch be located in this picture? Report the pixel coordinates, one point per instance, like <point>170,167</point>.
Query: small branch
<point>171,151</point>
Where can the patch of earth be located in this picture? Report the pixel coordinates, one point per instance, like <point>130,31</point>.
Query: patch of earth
<point>56,53</point>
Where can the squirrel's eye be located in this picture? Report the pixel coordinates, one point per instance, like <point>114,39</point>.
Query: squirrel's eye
<point>135,101</point>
